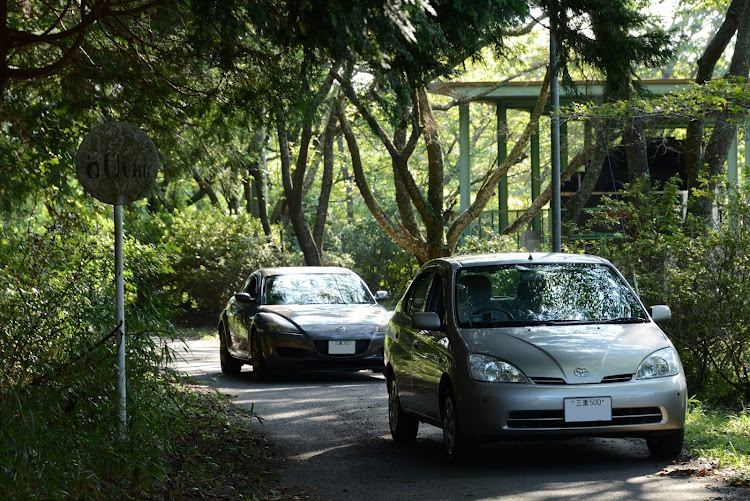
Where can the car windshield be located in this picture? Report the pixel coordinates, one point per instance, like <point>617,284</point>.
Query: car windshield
<point>315,288</point>
<point>540,294</point>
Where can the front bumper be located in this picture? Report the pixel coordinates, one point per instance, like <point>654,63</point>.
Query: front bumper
<point>496,411</point>
<point>296,352</point>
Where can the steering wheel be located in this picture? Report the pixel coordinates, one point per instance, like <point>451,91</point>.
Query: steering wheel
<point>493,308</point>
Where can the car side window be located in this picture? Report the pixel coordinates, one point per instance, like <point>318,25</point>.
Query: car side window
<point>252,286</point>
<point>427,295</point>
<point>436,302</point>
<point>419,293</point>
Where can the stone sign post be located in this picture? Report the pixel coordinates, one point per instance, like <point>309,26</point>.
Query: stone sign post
<point>117,164</point>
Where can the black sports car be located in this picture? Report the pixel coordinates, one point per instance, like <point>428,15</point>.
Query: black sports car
<point>303,318</point>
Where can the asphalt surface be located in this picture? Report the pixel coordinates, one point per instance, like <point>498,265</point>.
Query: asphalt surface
<point>332,429</point>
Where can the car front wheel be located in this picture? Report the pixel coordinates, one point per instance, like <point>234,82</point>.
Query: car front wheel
<point>404,426</point>
<point>260,367</point>
<point>229,364</point>
<point>457,448</point>
<point>667,445</point>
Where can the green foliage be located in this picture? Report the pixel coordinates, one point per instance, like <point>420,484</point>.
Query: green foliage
<point>58,396</point>
<point>614,24</point>
<point>212,254</point>
<point>382,264</point>
<point>721,435</point>
<point>731,96</point>
<point>494,243</point>
<point>702,273</point>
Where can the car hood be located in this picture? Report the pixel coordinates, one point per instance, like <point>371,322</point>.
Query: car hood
<point>557,351</point>
<point>347,320</point>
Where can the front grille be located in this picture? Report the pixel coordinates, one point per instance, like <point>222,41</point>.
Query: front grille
<point>548,380</point>
<point>539,420</point>
<point>287,352</point>
<point>360,346</point>
<point>618,378</point>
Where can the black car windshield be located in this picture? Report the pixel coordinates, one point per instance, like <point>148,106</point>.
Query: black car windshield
<point>315,288</point>
<point>539,294</point>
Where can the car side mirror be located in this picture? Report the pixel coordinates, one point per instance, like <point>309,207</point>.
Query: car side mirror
<point>244,298</point>
<point>380,295</point>
<point>660,313</point>
<point>426,320</point>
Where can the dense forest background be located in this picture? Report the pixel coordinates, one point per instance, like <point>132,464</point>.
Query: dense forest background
<point>296,132</point>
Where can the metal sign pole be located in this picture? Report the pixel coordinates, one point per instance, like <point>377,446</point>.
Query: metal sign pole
<point>555,208</point>
<point>120,318</point>
<point>117,163</point>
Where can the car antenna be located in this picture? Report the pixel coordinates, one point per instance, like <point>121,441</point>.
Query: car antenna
<point>531,258</point>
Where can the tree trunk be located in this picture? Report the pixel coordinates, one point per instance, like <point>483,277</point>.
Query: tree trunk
<point>399,163</point>
<point>579,160</point>
<point>347,183</point>
<point>296,214</point>
<point>485,192</point>
<point>413,243</point>
<point>634,140</point>
<point>435,221</point>
<point>326,181</point>
<point>206,187</point>
<point>724,131</point>
<point>256,168</point>
<point>577,202</point>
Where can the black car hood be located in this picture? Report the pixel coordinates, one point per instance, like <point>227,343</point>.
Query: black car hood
<point>346,320</point>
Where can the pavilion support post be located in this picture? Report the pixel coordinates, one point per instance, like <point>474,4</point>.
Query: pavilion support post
<point>733,164</point>
<point>746,167</point>
<point>464,160</point>
<point>502,154</point>
<point>536,223</point>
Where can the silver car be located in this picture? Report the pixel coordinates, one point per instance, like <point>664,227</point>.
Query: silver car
<point>509,346</point>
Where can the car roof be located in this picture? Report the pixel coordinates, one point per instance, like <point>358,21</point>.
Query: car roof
<point>522,257</point>
<point>307,270</point>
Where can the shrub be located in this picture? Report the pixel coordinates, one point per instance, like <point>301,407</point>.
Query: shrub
<point>212,254</point>
<point>702,272</point>
<point>493,243</point>
<point>382,263</point>
<point>58,395</point>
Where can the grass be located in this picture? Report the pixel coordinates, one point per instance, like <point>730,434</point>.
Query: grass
<point>223,459</point>
<point>721,436</point>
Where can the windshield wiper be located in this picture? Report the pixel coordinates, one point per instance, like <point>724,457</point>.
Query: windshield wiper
<point>527,323</point>
<point>625,320</point>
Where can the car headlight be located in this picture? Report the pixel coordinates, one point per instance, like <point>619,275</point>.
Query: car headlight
<point>281,325</point>
<point>491,370</point>
<point>661,363</point>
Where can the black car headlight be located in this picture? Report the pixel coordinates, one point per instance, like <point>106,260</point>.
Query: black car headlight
<point>493,370</point>
<point>281,325</point>
<point>661,363</point>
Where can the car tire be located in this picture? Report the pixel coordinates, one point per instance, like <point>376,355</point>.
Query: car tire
<point>457,449</point>
<point>229,364</point>
<point>260,367</point>
<point>404,426</point>
<point>667,445</point>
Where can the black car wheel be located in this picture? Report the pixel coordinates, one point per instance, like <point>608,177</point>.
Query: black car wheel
<point>404,426</point>
<point>457,448</point>
<point>229,364</point>
<point>667,445</point>
<point>260,368</point>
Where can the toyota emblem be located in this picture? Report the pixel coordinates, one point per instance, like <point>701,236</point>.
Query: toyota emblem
<point>340,328</point>
<point>582,372</point>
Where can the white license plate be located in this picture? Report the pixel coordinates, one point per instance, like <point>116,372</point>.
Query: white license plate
<point>588,409</point>
<point>341,347</point>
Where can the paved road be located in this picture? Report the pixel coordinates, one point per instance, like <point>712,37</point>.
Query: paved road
<point>333,429</point>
